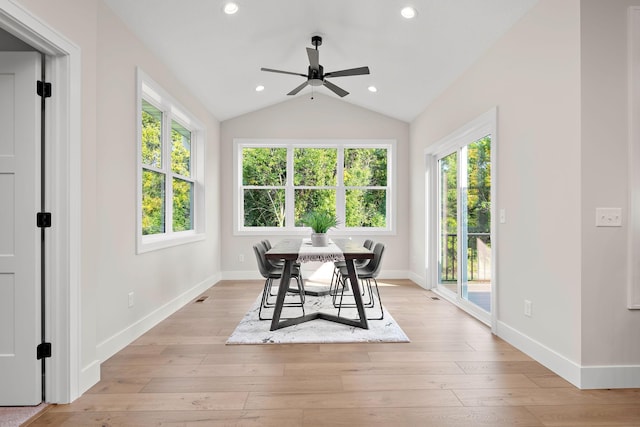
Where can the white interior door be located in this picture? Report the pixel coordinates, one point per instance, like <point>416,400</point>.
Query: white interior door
<point>20,315</point>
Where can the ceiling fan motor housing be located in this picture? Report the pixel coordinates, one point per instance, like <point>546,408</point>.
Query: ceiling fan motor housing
<point>316,77</point>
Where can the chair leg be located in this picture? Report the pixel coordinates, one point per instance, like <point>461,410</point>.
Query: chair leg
<point>265,292</point>
<point>379,300</point>
<point>264,303</point>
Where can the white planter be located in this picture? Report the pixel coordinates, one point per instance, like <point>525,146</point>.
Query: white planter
<point>319,239</point>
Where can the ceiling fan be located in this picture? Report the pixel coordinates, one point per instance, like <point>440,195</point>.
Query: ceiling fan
<point>316,75</point>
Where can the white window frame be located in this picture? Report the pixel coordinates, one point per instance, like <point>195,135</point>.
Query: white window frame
<point>291,144</point>
<point>153,93</point>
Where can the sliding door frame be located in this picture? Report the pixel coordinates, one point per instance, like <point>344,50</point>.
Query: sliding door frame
<point>483,125</point>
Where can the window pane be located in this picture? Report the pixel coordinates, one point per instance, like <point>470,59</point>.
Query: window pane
<point>180,149</point>
<point>151,135</point>
<point>307,200</point>
<point>366,208</point>
<point>365,167</point>
<point>264,166</point>
<point>448,170</point>
<point>182,205</point>
<point>315,166</point>
<point>153,202</point>
<point>264,208</point>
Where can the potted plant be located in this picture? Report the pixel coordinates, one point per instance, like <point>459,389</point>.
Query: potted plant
<point>320,222</point>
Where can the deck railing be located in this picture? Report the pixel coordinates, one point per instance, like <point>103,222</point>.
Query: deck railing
<point>479,257</point>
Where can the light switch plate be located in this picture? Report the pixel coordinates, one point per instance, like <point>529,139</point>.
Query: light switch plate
<point>608,217</point>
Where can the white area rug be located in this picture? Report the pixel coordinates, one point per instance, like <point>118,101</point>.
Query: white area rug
<point>14,416</point>
<point>251,330</point>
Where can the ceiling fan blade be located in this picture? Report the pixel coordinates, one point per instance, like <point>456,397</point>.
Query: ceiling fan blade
<point>314,58</point>
<point>335,89</point>
<point>299,88</point>
<point>349,72</point>
<point>282,72</point>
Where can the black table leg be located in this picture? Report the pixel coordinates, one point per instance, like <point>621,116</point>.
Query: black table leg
<point>282,292</point>
<point>283,287</point>
<point>355,287</point>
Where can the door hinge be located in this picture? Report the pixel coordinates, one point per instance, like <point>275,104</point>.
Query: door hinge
<point>43,219</point>
<point>44,350</point>
<point>44,89</point>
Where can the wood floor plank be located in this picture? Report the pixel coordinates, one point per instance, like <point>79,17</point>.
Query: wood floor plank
<point>285,357</point>
<point>588,415</point>
<point>252,383</point>
<point>443,356</point>
<point>547,396</point>
<point>503,367</point>
<point>155,402</point>
<point>378,368</point>
<point>444,382</point>
<point>120,385</point>
<point>441,417</point>
<point>359,399</point>
<point>266,418</point>
<point>177,371</point>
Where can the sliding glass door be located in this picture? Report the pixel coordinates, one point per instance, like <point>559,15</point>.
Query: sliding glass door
<point>464,225</point>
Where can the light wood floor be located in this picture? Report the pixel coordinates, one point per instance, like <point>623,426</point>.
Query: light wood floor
<point>453,373</point>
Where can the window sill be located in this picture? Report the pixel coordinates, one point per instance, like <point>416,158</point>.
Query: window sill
<point>153,243</point>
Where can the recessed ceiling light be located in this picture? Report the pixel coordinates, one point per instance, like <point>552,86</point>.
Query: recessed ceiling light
<point>259,88</point>
<point>408,12</point>
<point>373,89</point>
<point>230,8</point>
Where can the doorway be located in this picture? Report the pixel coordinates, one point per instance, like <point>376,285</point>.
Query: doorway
<point>62,275</point>
<point>461,169</point>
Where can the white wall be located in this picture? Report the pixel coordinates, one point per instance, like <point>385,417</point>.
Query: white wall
<point>161,280</point>
<point>532,75</point>
<point>610,332</point>
<point>323,117</point>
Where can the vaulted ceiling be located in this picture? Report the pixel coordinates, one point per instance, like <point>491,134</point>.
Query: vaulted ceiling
<point>219,56</point>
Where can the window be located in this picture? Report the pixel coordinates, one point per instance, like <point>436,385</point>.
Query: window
<point>278,182</point>
<point>170,153</point>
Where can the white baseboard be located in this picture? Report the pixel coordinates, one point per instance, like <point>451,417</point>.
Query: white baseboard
<point>419,280</point>
<point>610,377</point>
<point>559,364</point>
<point>583,377</point>
<point>89,376</point>
<point>117,342</point>
<point>393,274</point>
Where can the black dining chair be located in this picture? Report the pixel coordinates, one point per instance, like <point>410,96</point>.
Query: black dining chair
<point>269,272</point>
<point>280,263</point>
<point>338,265</point>
<point>366,275</point>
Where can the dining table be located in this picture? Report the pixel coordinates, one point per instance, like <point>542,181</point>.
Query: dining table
<point>300,250</point>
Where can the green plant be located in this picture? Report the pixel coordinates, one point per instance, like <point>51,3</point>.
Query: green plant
<point>320,222</point>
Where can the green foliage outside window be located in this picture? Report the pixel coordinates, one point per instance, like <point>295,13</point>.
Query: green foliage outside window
<point>362,168</point>
<point>154,203</point>
<point>478,190</point>
<point>264,167</point>
<point>182,189</point>
<point>315,185</point>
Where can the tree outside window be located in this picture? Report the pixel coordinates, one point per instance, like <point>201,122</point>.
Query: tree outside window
<point>282,182</point>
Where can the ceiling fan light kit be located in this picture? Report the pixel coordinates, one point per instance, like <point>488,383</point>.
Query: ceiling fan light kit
<point>315,72</point>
